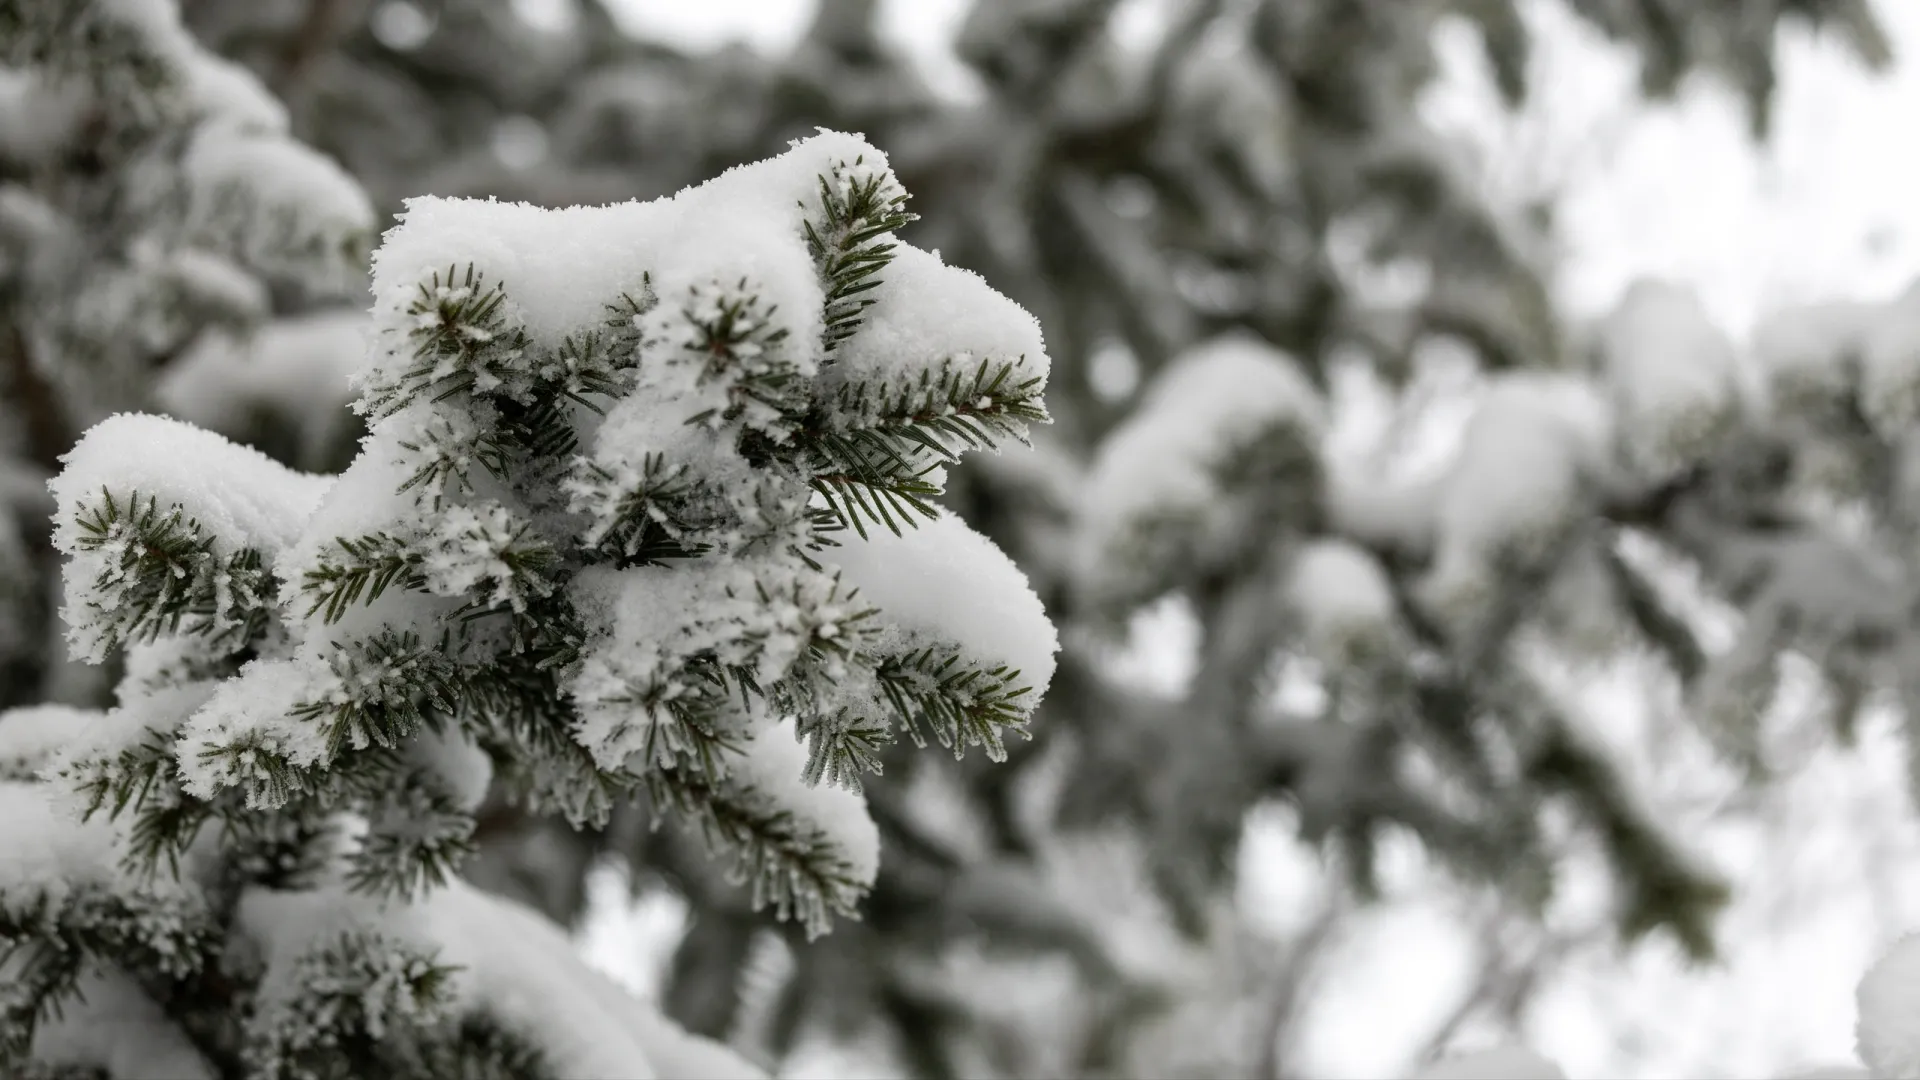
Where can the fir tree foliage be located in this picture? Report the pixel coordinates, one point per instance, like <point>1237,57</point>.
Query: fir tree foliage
<point>156,215</point>
<point>208,201</point>
<point>1155,191</point>
<point>586,553</point>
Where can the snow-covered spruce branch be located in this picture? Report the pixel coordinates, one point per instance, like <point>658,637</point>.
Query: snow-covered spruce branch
<point>119,47</point>
<point>1570,508</point>
<point>957,703</point>
<point>165,243</point>
<point>584,555</point>
<point>1222,454</point>
<point>65,910</point>
<point>859,210</point>
<point>880,465</point>
<point>893,405</point>
<point>159,572</point>
<point>197,199</point>
<point>790,859</point>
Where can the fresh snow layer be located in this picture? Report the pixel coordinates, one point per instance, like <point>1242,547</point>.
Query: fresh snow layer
<point>1673,375</point>
<point>31,735</point>
<point>772,764</point>
<point>113,1025</point>
<point>1530,449</point>
<point>49,852</point>
<point>229,94</point>
<point>95,740</point>
<point>280,180</point>
<point>289,933</point>
<point>257,704</point>
<point>364,500</point>
<point>242,497</point>
<point>562,268</point>
<point>1153,499</point>
<point>928,314</point>
<point>517,968</point>
<point>650,622</point>
<point>46,849</point>
<point>521,968</point>
<point>238,496</point>
<point>1207,402</point>
<point>457,762</point>
<point>1339,592</point>
<point>216,283</point>
<point>1535,447</point>
<point>942,583</point>
<point>1379,509</point>
<point>513,966</point>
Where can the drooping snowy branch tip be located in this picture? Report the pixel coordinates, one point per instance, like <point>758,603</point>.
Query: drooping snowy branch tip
<point>646,507</point>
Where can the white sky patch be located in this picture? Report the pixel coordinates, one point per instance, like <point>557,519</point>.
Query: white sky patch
<point>1391,978</point>
<point>1824,209</point>
<point>924,30</point>
<point>630,942</point>
<point>769,26</point>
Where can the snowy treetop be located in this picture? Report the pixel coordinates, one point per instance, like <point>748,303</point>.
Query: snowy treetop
<point>242,497</point>
<point>562,268</point>
<point>645,507</point>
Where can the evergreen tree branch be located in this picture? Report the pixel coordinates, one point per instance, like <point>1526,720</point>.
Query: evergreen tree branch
<point>645,514</point>
<point>941,412</point>
<point>859,207</point>
<point>871,454</point>
<point>842,747</point>
<point>1663,890</point>
<point>362,569</point>
<point>734,343</point>
<point>524,723</point>
<point>856,500</point>
<point>49,938</point>
<point>960,704</point>
<point>690,715</point>
<point>417,837</point>
<point>1650,612</point>
<point>788,863</point>
<point>333,1012</point>
<point>463,548</point>
<point>390,686</point>
<point>461,342</point>
<point>161,572</point>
